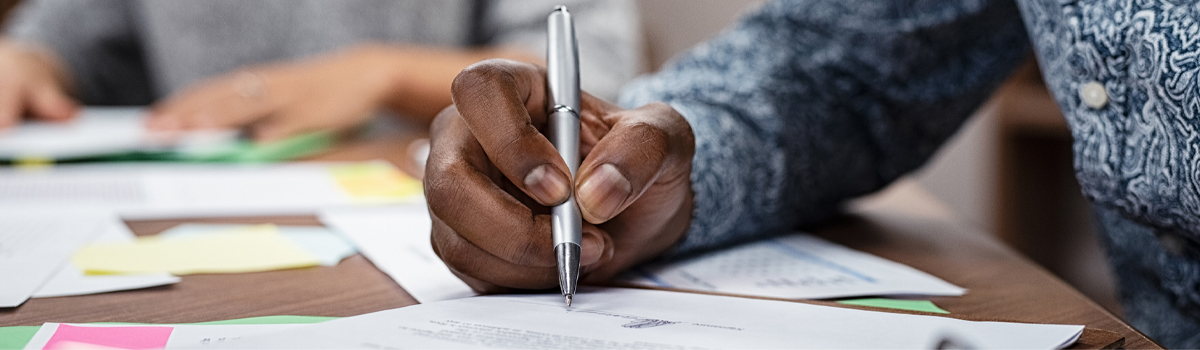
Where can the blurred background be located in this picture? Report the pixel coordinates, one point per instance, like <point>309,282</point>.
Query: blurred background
<point>1007,172</point>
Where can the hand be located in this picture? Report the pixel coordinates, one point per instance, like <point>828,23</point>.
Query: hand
<point>491,176</point>
<point>32,83</point>
<point>279,100</point>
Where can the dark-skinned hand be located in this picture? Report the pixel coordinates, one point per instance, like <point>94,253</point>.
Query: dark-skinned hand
<point>492,176</point>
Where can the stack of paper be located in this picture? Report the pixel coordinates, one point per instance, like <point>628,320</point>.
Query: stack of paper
<point>36,244</point>
<point>797,266</point>
<point>139,191</point>
<point>70,280</point>
<point>95,131</point>
<point>644,319</point>
<point>119,133</point>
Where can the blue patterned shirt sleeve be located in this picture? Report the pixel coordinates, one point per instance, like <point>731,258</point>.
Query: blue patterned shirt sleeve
<point>804,104</point>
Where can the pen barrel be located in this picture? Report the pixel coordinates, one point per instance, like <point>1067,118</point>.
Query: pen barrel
<point>562,60</point>
<point>563,132</point>
<point>562,80</point>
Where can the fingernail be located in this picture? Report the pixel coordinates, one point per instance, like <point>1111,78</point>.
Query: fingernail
<point>547,185</point>
<point>603,192</point>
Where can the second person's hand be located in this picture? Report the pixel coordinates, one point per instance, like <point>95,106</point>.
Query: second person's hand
<point>34,83</point>
<point>332,92</point>
<point>491,176</point>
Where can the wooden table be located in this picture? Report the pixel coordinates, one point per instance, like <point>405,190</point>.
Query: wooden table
<point>1003,285</point>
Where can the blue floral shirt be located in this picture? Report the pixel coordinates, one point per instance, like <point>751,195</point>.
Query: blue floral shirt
<point>804,104</point>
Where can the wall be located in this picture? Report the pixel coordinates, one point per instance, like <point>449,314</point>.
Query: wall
<point>672,26</point>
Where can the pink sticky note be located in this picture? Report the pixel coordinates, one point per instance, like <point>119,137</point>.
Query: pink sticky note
<point>133,337</point>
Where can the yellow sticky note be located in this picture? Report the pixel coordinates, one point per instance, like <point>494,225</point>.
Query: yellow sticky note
<point>255,248</point>
<point>375,182</point>
<point>33,162</point>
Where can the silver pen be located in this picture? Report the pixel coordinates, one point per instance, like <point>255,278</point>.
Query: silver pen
<point>562,76</point>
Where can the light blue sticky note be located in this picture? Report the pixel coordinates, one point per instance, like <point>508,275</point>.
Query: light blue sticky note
<point>327,246</point>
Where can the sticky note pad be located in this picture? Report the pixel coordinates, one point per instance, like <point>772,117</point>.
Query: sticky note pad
<point>911,305</point>
<point>135,338</point>
<point>250,249</point>
<point>375,182</point>
<point>327,246</point>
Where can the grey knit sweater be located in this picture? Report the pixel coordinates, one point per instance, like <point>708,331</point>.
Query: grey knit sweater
<point>135,51</point>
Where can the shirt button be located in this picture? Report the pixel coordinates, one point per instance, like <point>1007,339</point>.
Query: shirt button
<point>1093,95</point>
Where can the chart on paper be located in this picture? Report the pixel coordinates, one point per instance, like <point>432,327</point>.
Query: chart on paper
<point>35,244</point>
<point>794,266</point>
<point>614,318</point>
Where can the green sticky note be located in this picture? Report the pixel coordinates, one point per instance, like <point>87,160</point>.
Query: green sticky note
<point>910,305</point>
<point>14,338</point>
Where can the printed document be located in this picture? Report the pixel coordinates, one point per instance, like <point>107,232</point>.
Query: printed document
<point>69,280</point>
<point>36,244</point>
<point>796,266</point>
<point>647,319</point>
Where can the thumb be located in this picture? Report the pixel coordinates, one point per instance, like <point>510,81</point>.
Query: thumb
<point>642,145</point>
<point>51,103</point>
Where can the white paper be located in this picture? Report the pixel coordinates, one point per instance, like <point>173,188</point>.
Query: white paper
<point>645,319</point>
<point>396,240</point>
<point>69,280</point>
<point>797,266</point>
<point>98,131</point>
<point>36,244</point>
<point>183,336</point>
<point>324,244</point>
<point>94,131</point>
<point>149,191</point>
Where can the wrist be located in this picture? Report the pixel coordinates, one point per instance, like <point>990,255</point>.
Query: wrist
<point>383,68</point>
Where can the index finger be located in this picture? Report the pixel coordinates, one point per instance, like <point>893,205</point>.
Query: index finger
<point>503,104</point>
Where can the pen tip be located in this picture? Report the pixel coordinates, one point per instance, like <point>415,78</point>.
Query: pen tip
<point>568,298</point>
